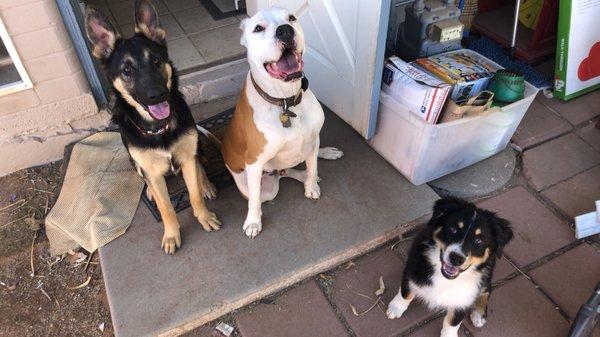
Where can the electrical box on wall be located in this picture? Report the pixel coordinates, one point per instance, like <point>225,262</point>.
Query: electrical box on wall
<point>431,27</point>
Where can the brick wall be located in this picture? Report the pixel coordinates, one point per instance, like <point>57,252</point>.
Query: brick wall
<point>35,124</point>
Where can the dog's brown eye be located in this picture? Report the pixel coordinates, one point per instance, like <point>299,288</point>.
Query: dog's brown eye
<point>292,18</point>
<point>477,242</point>
<point>258,28</point>
<point>155,60</point>
<point>453,230</point>
<point>127,70</point>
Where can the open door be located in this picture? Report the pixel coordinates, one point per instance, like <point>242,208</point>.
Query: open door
<point>344,57</point>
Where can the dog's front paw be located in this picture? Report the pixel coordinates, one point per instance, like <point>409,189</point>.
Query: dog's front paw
<point>312,190</point>
<point>252,228</point>
<point>170,242</point>
<point>330,153</point>
<point>449,331</point>
<point>209,221</point>
<point>396,308</point>
<point>477,319</point>
<point>209,190</point>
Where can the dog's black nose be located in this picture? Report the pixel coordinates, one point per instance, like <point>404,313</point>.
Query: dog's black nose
<point>456,259</point>
<point>285,33</point>
<point>157,95</point>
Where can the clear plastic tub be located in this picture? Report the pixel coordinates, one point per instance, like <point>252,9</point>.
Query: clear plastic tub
<point>423,152</point>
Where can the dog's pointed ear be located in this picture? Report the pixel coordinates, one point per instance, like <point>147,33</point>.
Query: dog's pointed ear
<point>101,33</point>
<point>147,23</point>
<point>501,230</point>
<point>446,206</point>
<point>242,28</point>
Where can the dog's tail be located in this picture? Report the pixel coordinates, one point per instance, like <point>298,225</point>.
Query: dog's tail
<point>216,142</point>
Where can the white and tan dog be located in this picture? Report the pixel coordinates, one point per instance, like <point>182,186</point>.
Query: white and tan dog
<point>276,123</point>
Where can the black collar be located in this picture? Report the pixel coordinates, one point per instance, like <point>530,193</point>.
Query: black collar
<point>285,103</point>
<point>155,132</point>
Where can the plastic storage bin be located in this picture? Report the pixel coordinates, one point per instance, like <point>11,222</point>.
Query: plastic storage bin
<point>423,152</point>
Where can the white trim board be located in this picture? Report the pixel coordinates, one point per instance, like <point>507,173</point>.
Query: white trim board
<point>25,82</point>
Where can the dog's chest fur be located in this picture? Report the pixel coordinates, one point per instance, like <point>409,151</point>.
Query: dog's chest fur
<point>287,147</point>
<point>444,293</point>
<point>160,161</point>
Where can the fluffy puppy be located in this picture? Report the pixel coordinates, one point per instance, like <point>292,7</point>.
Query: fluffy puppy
<point>451,262</point>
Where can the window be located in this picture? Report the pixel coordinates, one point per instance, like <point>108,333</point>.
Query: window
<point>13,76</point>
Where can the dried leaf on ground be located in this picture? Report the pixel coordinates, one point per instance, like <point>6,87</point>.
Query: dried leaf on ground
<point>381,289</point>
<point>87,281</point>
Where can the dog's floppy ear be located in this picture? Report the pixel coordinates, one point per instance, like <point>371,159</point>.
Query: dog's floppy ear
<point>147,23</point>
<point>447,205</point>
<point>501,231</point>
<point>101,33</point>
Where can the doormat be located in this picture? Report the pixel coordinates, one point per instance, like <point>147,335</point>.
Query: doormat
<point>221,9</point>
<point>496,53</point>
<point>210,158</point>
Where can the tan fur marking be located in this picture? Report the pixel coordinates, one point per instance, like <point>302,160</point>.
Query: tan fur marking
<point>481,303</point>
<point>437,239</point>
<point>478,231</point>
<point>461,225</point>
<point>242,142</point>
<point>475,260</point>
<point>122,89</point>
<point>167,72</point>
<point>410,297</point>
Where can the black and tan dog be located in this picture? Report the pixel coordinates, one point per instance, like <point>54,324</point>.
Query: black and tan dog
<point>155,122</point>
<point>451,261</point>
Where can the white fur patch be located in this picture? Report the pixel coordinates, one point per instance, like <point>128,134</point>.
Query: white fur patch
<point>477,319</point>
<point>459,293</point>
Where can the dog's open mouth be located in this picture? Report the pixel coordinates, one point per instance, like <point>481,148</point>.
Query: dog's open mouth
<point>449,271</point>
<point>288,67</point>
<point>159,111</point>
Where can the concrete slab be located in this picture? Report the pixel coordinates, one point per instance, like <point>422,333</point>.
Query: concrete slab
<point>479,179</point>
<point>539,125</point>
<point>364,203</point>
<point>576,196</point>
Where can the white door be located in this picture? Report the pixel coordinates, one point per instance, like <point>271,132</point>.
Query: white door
<point>344,57</point>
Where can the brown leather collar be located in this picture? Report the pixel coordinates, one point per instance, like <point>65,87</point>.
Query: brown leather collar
<point>285,103</point>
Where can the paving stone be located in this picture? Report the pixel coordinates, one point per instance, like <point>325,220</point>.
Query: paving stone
<point>539,125</point>
<point>576,196</point>
<point>591,134</point>
<point>570,279</point>
<point>215,273</point>
<point>363,278</point>
<point>577,110</point>
<point>503,269</point>
<point>433,329</point>
<point>197,19</point>
<point>479,179</point>
<point>300,312</point>
<point>517,309</point>
<point>184,54</point>
<point>179,5</point>
<point>219,43</point>
<point>542,169</point>
<point>537,230</point>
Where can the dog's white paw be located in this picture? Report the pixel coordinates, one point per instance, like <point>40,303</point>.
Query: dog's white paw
<point>252,228</point>
<point>209,221</point>
<point>330,153</point>
<point>397,307</point>
<point>449,331</point>
<point>312,190</point>
<point>477,319</point>
<point>209,190</point>
<point>171,242</point>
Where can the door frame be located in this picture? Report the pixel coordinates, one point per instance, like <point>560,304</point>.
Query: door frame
<point>72,15</point>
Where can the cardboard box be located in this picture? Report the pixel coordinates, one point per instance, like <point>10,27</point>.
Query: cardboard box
<point>467,72</point>
<point>578,49</point>
<point>422,93</point>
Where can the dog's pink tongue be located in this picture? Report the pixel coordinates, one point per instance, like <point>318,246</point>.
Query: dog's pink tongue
<point>160,110</point>
<point>288,64</point>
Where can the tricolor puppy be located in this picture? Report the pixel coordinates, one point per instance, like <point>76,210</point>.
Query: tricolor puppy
<point>277,119</point>
<point>451,261</point>
<point>155,122</point>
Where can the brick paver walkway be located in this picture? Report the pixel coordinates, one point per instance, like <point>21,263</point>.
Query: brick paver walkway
<point>545,276</point>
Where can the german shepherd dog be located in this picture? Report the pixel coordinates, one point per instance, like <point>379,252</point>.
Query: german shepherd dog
<point>155,122</point>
